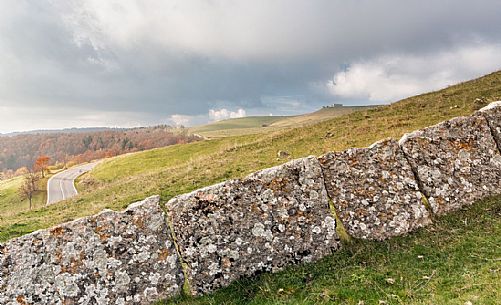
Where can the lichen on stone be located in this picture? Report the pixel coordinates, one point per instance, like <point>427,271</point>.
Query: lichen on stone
<point>457,162</point>
<point>268,220</point>
<point>492,113</point>
<point>374,191</point>
<point>110,258</point>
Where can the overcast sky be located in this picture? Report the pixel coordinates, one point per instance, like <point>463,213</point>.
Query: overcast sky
<point>66,63</point>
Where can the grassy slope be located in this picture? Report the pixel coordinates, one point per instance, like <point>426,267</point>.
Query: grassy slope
<point>181,168</point>
<point>318,116</point>
<point>10,202</point>
<point>247,122</point>
<point>254,125</point>
<point>453,261</point>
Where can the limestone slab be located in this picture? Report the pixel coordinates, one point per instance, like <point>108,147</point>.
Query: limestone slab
<point>492,113</point>
<point>263,222</point>
<point>374,191</point>
<point>456,162</point>
<point>110,258</point>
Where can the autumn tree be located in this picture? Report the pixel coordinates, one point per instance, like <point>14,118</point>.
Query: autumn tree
<point>41,164</point>
<point>81,146</point>
<point>29,186</point>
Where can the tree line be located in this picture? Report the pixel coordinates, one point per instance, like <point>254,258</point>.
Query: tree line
<point>19,153</point>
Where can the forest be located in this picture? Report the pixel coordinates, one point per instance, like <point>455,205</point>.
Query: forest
<point>20,151</point>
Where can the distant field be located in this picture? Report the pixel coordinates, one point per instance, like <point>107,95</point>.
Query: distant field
<point>239,123</point>
<point>260,124</point>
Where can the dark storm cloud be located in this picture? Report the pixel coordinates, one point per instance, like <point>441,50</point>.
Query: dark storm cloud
<point>159,58</point>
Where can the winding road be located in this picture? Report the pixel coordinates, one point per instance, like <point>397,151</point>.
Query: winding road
<point>61,186</point>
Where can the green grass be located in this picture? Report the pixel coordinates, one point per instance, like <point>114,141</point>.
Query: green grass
<point>262,124</point>
<point>454,260</point>
<point>247,122</point>
<point>11,204</point>
<point>182,168</point>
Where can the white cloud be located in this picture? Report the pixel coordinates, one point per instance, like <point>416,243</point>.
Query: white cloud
<point>392,77</point>
<point>223,114</point>
<point>180,120</point>
<point>141,61</point>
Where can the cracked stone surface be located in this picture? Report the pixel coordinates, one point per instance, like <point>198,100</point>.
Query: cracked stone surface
<point>374,191</point>
<point>457,162</point>
<point>110,258</point>
<point>492,113</point>
<point>263,222</point>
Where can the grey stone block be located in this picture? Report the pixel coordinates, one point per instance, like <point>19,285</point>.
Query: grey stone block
<point>263,222</point>
<point>110,258</point>
<point>374,191</point>
<point>492,113</point>
<point>457,162</point>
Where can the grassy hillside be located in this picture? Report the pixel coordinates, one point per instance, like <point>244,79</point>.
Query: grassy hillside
<point>10,202</point>
<point>181,168</point>
<point>454,261</point>
<point>318,116</point>
<point>238,123</point>
<point>260,124</point>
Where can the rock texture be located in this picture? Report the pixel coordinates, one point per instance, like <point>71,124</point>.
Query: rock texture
<point>456,162</point>
<point>110,258</point>
<point>374,191</point>
<point>268,220</point>
<point>264,222</point>
<point>493,115</point>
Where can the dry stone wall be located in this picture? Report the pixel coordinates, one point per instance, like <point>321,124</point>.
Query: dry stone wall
<point>110,258</point>
<point>457,162</point>
<point>263,222</point>
<point>493,115</point>
<point>374,191</point>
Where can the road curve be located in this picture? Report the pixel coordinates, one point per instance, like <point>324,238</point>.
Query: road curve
<point>61,186</point>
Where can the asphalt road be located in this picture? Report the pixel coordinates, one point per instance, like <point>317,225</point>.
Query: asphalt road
<point>61,186</point>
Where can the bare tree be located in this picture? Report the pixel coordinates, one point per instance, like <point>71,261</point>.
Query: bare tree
<point>29,186</point>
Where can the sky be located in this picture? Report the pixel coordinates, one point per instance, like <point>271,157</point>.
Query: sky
<point>69,63</point>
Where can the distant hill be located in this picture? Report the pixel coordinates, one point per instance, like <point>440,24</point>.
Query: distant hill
<point>61,131</point>
<point>77,145</point>
<point>258,124</point>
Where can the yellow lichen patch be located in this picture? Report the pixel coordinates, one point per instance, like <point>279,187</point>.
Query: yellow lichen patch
<point>68,302</point>
<point>101,232</point>
<point>139,222</point>
<point>74,265</point>
<point>279,184</point>
<point>164,253</point>
<point>464,144</point>
<point>57,231</point>
<point>58,256</point>
<point>20,299</point>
